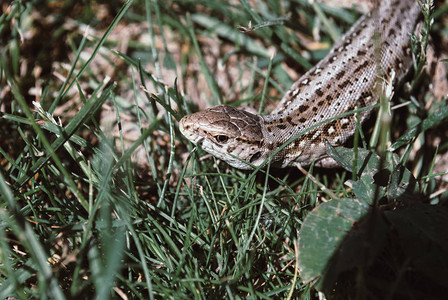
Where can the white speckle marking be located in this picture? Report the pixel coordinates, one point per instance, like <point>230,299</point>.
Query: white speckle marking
<point>296,92</point>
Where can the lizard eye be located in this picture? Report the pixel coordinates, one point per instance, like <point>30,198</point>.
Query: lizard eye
<point>222,139</point>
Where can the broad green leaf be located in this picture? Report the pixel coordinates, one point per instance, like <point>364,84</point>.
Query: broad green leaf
<point>366,167</point>
<point>366,192</point>
<point>366,162</point>
<point>402,184</point>
<point>322,233</point>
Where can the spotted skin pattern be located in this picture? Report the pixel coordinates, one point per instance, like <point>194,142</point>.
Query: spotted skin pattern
<point>375,51</point>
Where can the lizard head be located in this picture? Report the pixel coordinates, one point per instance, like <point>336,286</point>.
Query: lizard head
<point>230,134</point>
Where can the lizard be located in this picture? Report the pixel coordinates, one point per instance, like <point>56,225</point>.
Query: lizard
<point>376,48</point>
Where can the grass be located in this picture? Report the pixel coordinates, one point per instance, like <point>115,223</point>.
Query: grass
<point>102,197</point>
